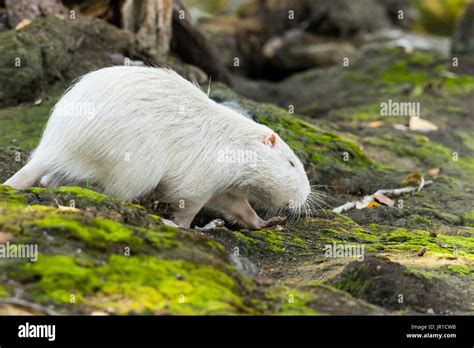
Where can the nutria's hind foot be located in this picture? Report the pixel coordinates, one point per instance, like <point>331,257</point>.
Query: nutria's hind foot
<point>25,177</point>
<point>49,180</point>
<point>184,216</point>
<point>169,223</point>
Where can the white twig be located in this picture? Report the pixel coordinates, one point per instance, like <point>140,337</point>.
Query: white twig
<point>28,306</point>
<point>387,192</point>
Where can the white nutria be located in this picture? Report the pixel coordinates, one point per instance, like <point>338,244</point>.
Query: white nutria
<point>133,130</point>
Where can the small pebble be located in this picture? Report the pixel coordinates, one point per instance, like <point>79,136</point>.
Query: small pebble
<point>422,251</point>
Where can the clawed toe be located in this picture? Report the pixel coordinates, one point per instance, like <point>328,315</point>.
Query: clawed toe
<point>274,221</point>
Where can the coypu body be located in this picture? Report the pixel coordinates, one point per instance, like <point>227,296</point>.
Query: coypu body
<point>133,130</point>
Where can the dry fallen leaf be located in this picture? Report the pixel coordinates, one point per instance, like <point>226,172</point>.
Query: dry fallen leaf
<point>376,124</point>
<point>412,179</point>
<point>6,237</point>
<point>373,204</point>
<point>23,23</point>
<point>382,199</point>
<point>420,125</point>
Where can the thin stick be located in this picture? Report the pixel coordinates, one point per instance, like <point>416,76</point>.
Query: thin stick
<point>387,192</point>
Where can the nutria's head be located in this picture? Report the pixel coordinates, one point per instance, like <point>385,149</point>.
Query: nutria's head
<point>279,178</point>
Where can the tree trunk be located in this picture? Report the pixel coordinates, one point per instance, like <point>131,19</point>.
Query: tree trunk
<point>463,40</point>
<point>151,21</point>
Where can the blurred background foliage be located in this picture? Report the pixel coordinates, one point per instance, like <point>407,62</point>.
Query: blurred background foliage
<point>437,16</point>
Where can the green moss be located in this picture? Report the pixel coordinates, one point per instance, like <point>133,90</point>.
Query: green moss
<point>469,214</point>
<point>202,288</point>
<point>212,7</point>
<point>417,70</point>
<point>215,245</point>
<point>125,284</point>
<point>248,245</point>
<point>272,240</point>
<point>421,58</point>
<point>365,116</point>
<point>84,198</point>
<point>23,125</point>
<point>437,214</point>
<point>465,165</point>
<point>462,270</point>
<point>4,292</point>
<point>459,84</point>
<point>465,244</point>
<point>455,109</point>
<point>164,237</point>
<point>307,140</point>
<point>96,232</point>
<point>397,239</point>
<point>253,242</point>
<point>399,73</point>
<point>298,242</point>
<point>59,277</point>
<point>291,301</point>
<point>9,197</point>
<point>351,285</point>
<point>417,220</point>
<point>415,146</point>
<point>80,192</point>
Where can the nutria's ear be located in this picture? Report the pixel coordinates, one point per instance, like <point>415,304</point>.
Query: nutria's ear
<point>270,140</point>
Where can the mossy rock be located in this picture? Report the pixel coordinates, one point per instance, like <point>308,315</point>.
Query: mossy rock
<point>116,267</point>
<point>103,265</point>
<point>391,285</point>
<point>52,50</point>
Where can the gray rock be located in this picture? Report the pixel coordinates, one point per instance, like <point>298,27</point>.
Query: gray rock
<point>298,50</point>
<point>244,265</point>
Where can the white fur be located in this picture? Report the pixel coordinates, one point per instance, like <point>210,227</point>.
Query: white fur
<point>152,129</point>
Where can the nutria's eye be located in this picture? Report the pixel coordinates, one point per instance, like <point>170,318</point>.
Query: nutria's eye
<point>292,164</point>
